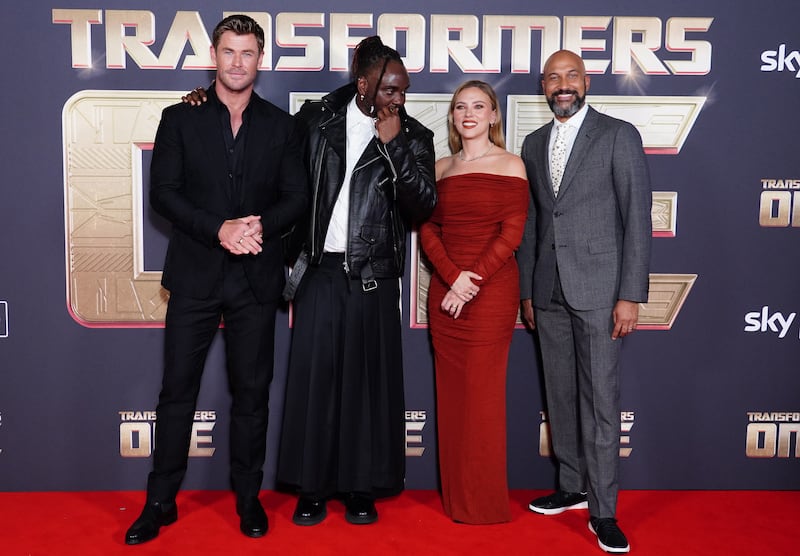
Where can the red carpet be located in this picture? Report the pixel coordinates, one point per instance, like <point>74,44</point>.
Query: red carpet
<point>659,523</point>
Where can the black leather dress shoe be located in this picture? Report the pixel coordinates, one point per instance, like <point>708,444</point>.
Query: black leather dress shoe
<point>309,511</point>
<point>360,509</point>
<point>154,516</point>
<point>252,517</point>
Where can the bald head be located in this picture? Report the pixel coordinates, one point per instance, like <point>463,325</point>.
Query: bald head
<point>562,58</point>
<point>565,83</point>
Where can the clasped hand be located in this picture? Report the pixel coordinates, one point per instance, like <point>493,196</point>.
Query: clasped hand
<point>242,236</point>
<point>461,292</point>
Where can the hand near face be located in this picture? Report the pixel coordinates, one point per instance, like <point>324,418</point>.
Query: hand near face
<point>380,96</point>
<point>387,123</point>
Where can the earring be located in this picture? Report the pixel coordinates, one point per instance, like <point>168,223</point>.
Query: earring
<point>361,98</point>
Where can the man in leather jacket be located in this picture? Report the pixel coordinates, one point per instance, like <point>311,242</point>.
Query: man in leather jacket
<point>392,185</point>
<point>372,172</point>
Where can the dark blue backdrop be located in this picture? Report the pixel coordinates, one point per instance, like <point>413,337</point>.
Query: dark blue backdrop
<point>711,398</point>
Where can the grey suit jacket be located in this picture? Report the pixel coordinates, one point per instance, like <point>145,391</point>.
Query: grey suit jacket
<point>597,231</point>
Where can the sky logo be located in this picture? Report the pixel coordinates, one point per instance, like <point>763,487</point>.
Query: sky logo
<point>780,60</point>
<point>764,321</point>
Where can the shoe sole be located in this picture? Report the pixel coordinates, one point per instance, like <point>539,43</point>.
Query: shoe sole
<point>611,549</point>
<point>134,542</point>
<point>556,511</point>
<point>359,520</point>
<point>254,534</point>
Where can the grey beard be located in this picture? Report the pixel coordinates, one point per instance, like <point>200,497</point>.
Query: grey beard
<point>570,110</point>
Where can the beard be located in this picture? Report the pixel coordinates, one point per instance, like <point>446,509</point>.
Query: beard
<point>570,110</point>
<point>233,82</point>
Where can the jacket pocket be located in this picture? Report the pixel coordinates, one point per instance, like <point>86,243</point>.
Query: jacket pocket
<point>373,235</point>
<point>602,245</point>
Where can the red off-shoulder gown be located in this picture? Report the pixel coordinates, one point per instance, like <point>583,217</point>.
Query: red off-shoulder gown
<point>477,225</point>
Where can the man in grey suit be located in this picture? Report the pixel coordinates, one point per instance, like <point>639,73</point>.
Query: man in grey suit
<point>584,266</point>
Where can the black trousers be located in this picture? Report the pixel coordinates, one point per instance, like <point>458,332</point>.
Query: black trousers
<point>249,346</point>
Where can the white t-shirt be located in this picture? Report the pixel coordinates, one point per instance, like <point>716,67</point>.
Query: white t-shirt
<point>360,130</point>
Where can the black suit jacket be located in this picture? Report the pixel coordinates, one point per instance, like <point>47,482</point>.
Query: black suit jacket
<point>189,186</point>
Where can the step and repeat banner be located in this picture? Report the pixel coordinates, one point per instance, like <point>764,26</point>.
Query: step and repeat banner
<point>711,383</point>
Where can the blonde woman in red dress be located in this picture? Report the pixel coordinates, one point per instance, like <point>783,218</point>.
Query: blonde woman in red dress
<point>473,302</point>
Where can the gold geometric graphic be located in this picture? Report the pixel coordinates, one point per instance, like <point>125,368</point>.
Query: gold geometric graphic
<point>667,294</point>
<point>420,282</point>
<point>664,213</point>
<point>104,134</point>
<point>663,122</point>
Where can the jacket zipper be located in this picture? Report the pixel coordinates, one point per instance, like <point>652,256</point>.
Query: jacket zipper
<point>346,263</point>
<point>321,147</point>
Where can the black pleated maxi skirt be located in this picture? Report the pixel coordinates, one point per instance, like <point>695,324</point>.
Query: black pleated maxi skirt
<point>344,414</point>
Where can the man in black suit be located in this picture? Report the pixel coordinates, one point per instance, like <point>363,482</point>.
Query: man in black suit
<point>230,177</point>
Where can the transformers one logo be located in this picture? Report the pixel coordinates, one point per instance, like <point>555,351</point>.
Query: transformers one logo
<point>137,434</point>
<point>415,422</point>
<point>773,434</point>
<point>779,205</point>
<point>627,418</point>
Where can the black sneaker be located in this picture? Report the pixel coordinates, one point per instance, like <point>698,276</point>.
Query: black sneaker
<point>609,536</point>
<point>559,501</point>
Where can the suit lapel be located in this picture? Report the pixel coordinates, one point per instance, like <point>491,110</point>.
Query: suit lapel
<point>579,149</point>
<point>543,166</point>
